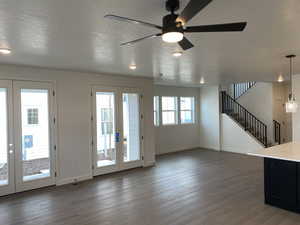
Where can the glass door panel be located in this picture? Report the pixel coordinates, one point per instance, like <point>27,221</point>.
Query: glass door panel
<point>4,168</point>
<point>7,184</point>
<point>131,127</point>
<point>105,129</point>
<point>35,134</point>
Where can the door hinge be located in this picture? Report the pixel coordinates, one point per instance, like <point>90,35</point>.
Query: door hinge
<point>142,157</point>
<point>91,93</point>
<point>53,93</point>
<point>92,118</point>
<point>142,137</point>
<point>54,147</point>
<point>142,116</point>
<point>55,174</point>
<point>92,142</point>
<point>54,120</point>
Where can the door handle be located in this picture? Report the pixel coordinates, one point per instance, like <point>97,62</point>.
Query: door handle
<point>117,137</point>
<point>11,151</point>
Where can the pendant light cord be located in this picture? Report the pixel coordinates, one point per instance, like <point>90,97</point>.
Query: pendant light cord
<point>291,68</point>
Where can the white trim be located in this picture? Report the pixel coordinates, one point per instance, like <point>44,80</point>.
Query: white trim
<point>71,180</point>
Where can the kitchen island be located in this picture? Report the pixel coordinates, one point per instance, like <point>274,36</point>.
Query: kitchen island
<point>282,175</point>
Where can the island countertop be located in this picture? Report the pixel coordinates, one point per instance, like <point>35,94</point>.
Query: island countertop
<point>289,151</point>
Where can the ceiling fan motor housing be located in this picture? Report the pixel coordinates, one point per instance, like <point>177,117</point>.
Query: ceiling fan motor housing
<point>170,24</point>
<point>172,5</point>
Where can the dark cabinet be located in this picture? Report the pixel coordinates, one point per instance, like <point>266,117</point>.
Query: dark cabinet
<point>282,184</point>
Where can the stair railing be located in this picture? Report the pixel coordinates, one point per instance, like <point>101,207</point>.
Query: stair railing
<point>246,119</point>
<point>241,88</point>
<point>277,131</point>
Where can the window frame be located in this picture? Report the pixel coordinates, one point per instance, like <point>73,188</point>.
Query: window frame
<point>176,110</point>
<point>192,110</point>
<point>156,110</point>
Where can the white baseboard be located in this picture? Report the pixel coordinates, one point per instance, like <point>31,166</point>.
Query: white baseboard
<point>148,164</point>
<point>73,179</point>
<point>177,150</point>
<point>211,148</point>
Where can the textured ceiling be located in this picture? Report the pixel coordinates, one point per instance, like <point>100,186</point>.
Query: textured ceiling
<point>72,34</point>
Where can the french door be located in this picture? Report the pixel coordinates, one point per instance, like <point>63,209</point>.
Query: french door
<point>26,136</point>
<point>117,139</point>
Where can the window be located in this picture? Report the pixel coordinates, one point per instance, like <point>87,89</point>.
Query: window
<point>106,121</point>
<point>187,110</point>
<point>156,110</point>
<point>32,116</point>
<point>169,110</point>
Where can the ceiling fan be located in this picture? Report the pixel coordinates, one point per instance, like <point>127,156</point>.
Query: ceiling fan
<point>173,27</point>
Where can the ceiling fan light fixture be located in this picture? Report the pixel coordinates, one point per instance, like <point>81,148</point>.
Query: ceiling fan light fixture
<point>172,37</point>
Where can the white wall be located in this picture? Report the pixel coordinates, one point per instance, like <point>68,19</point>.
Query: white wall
<point>173,138</point>
<point>258,100</point>
<point>235,139</point>
<point>210,117</point>
<point>74,113</point>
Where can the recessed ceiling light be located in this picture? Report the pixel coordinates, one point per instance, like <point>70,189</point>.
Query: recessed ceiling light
<point>132,67</point>
<point>5,51</point>
<point>177,54</point>
<point>280,78</point>
<point>202,81</point>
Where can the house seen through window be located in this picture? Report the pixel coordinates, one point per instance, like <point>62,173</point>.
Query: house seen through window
<point>33,116</point>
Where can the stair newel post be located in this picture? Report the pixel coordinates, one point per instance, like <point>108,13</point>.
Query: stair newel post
<point>222,102</point>
<point>266,140</point>
<point>279,131</point>
<point>233,91</point>
<point>245,118</point>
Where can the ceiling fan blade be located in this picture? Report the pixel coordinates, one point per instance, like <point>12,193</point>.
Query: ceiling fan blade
<point>229,27</point>
<point>192,9</point>
<point>140,39</point>
<point>128,20</point>
<point>185,44</point>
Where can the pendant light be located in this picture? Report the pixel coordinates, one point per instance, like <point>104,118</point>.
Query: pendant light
<point>291,105</point>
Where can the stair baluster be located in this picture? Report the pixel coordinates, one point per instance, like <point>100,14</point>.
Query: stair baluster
<point>246,119</point>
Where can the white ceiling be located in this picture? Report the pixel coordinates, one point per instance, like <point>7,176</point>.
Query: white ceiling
<point>72,34</point>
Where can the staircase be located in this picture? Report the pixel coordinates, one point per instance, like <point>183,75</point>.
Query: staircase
<point>240,89</point>
<point>247,120</point>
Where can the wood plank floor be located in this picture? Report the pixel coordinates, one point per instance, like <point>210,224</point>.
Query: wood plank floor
<point>196,187</point>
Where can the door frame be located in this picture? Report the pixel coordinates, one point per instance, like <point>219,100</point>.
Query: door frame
<point>10,188</point>
<point>48,181</point>
<point>120,165</point>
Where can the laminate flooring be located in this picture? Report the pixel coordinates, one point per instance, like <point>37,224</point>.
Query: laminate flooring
<point>196,187</point>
